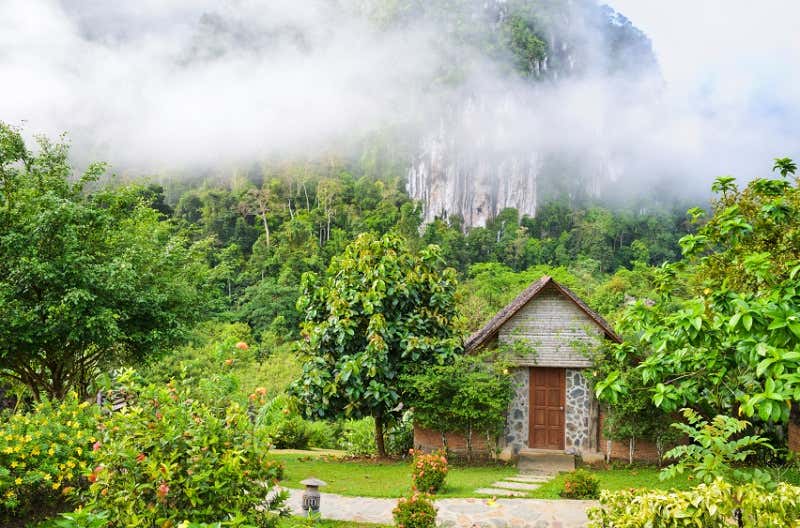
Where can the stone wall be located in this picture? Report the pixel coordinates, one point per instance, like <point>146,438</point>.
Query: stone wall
<point>516,432</point>
<point>580,414</point>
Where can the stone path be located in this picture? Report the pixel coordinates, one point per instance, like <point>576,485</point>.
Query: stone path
<point>467,513</point>
<point>517,486</point>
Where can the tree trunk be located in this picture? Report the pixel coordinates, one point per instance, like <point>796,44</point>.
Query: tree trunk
<point>631,449</point>
<point>469,443</point>
<point>379,434</point>
<point>266,226</point>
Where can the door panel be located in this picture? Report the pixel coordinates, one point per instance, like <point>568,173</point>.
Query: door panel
<point>546,408</point>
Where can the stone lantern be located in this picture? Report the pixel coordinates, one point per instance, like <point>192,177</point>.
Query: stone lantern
<point>311,496</point>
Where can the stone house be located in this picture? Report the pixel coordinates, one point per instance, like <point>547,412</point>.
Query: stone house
<point>554,406</point>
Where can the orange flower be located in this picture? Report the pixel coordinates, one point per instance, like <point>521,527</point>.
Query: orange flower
<point>241,345</point>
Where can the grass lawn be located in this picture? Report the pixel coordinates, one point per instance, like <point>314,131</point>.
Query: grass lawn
<point>392,479</point>
<point>382,479</point>
<point>617,479</point>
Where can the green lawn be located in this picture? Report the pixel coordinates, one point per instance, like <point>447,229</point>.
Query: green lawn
<point>393,478</point>
<point>616,479</point>
<point>382,479</point>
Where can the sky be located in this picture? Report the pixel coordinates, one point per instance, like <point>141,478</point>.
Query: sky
<point>119,78</point>
<point>727,55</point>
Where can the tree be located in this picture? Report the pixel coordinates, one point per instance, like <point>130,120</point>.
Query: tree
<point>734,343</point>
<point>86,280</point>
<point>379,312</point>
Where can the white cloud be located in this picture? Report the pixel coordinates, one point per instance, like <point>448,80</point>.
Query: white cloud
<point>137,84</point>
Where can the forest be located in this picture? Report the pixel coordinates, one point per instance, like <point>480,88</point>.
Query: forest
<point>218,282</point>
<point>231,293</point>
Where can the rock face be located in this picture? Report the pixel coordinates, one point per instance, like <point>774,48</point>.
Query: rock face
<point>473,187</point>
<point>515,142</point>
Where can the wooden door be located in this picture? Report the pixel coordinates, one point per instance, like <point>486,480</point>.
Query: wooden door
<point>546,430</point>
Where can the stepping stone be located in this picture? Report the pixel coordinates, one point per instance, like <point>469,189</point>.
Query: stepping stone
<point>522,486</point>
<point>499,492</point>
<point>530,478</point>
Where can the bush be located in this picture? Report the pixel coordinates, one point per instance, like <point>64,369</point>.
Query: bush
<point>80,519</point>
<point>358,437</point>
<point>400,437</point>
<point>323,434</point>
<point>44,455</point>
<point>168,458</point>
<point>428,471</point>
<point>416,511</point>
<point>580,484</point>
<point>292,433</point>
<point>717,450</point>
<point>718,504</point>
<point>279,420</point>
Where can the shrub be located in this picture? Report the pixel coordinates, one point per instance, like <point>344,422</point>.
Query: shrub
<point>714,452</point>
<point>416,511</point>
<point>80,519</point>
<point>279,420</point>
<point>358,437</point>
<point>428,471</point>
<point>323,434</point>
<point>292,433</point>
<point>168,458</point>
<point>580,484</point>
<point>400,437</point>
<point>44,455</point>
<point>718,504</point>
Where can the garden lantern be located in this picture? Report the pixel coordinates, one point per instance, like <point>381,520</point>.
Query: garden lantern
<point>311,496</point>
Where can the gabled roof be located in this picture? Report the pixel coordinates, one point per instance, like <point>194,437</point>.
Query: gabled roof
<point>488,332</point>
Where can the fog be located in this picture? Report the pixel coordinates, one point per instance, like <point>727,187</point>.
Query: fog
<point>156,86</point>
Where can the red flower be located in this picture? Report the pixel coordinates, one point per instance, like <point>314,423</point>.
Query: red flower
<point>162,492</point>
<point>140,457</point>
<point>96,446</point>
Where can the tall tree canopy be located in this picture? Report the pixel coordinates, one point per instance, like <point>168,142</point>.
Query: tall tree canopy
<point>86,280</point>
<point>734,343</point>
<point>379,312</point>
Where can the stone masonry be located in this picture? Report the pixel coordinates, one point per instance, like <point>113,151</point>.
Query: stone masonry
<point>516,433</point>
<point>579,413</point>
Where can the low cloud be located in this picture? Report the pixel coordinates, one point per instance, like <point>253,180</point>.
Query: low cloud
<point>198,84</point>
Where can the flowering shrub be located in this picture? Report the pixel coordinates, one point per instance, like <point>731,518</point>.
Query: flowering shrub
<point>580,484</point>
<point>168,458</point>
<point>416,511</point>
<point>44,455</point>
<point>428,471</point>
<point>715,505</point>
